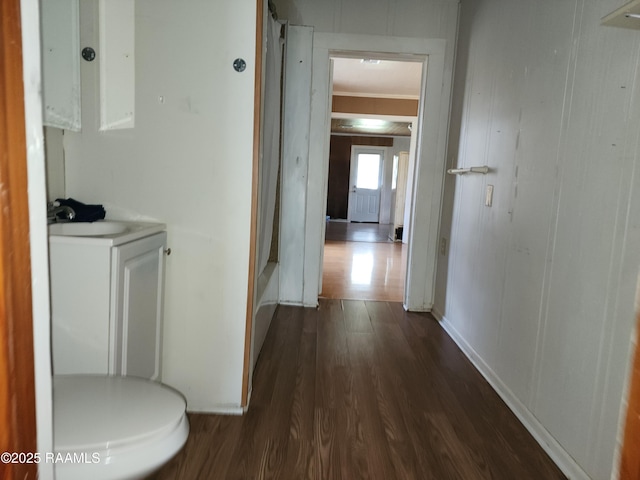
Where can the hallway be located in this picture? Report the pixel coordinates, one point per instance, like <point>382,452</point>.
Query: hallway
<point>361,263</point>
<point>355,390</point>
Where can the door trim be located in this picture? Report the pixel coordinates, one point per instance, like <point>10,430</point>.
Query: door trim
<point>17,377</point>
<point>255,192</point>
<point>629,457</point>
<point>430,156</point>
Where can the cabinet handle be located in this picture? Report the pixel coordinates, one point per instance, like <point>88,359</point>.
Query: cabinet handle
<point>167,251</point>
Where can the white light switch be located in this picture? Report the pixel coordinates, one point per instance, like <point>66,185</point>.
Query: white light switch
<point>488,199</point>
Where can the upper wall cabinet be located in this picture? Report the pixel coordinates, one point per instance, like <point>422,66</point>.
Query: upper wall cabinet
<point>114,54</point>
<point>61,63</point>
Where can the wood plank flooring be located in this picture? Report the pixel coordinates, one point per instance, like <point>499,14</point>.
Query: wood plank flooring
<point>357,232</point>
<point>362,390</point>
<point>364,271</point>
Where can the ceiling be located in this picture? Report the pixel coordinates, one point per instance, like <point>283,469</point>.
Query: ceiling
<point>375,78</point>
<point>388,79</point>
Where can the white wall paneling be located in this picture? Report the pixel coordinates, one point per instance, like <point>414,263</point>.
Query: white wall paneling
<point>399,18</point>
<point>61,63</point>
<point>539,287</point>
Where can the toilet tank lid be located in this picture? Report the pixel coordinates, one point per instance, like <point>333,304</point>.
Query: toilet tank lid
<point>95,412</point>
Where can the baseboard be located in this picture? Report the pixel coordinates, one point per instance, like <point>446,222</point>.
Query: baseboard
<point>219,410</point>
<point>297,304</point>
<point>437,314</point>
<point>558,454</point>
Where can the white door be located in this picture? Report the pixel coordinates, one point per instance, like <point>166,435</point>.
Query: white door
<point>365,175</point>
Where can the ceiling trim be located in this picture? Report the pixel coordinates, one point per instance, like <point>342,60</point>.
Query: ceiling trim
<point>376,95</point>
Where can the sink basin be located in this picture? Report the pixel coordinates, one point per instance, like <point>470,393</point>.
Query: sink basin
<point>86,229</point>
<point>102,232</point>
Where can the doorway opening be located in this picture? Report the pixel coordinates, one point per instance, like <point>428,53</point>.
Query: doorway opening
<point>374,109</point>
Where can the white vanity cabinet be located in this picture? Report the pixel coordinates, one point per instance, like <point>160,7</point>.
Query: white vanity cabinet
<point>107,304</point>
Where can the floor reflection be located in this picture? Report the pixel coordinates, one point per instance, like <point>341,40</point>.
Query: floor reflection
<point>363,270</point>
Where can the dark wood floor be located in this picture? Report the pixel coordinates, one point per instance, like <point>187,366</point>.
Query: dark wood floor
<point>358,390</point>
<point>357,232</point>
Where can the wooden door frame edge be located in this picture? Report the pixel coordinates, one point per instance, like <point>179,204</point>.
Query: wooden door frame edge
<point>630,449</point>
<point>255,179</point>
<point>17,376</point>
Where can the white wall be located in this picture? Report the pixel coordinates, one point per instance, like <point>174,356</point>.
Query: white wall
<point>398,18</point>
<point>539,288</point>
<point>187,163</point>
<point>54,161</point>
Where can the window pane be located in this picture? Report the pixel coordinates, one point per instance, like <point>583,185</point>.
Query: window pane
<point>368,171</point>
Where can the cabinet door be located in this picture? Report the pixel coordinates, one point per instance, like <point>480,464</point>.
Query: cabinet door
<point>60,21</point>
<point>137,306</point>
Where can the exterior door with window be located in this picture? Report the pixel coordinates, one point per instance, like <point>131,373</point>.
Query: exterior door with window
<point>365,178</point>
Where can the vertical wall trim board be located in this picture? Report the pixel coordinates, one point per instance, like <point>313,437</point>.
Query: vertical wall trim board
<point>295,161</point>
<point>317,178</point>
<point>448,164</point>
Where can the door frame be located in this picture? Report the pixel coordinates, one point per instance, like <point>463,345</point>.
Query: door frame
<point>17,366</point>
<point>629,462</point>
<point>353,161</point>
<point>430,156</point>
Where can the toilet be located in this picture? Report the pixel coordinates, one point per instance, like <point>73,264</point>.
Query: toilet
<point>114,427</point>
